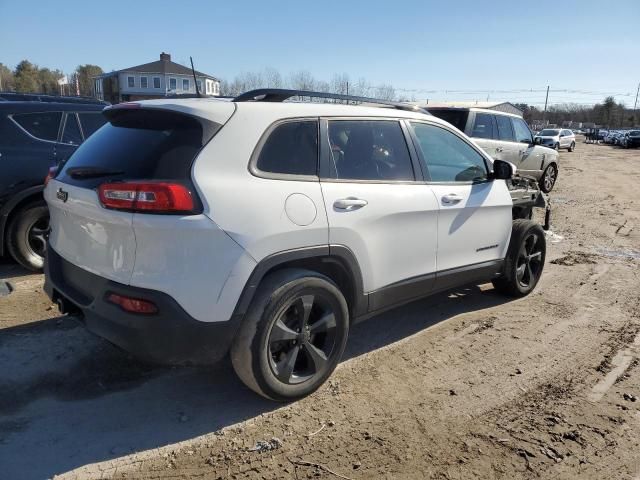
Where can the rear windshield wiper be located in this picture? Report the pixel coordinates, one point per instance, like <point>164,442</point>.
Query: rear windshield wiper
<point>91,172</point>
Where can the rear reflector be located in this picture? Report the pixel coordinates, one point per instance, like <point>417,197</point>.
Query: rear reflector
<point>52,173</point>
<point>133,305</point>
<point>156,197</point>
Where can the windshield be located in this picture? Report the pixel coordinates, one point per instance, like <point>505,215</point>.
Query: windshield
<point>548,132</point>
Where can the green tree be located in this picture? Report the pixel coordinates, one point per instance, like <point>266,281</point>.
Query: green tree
<point>48,81</point>
<point>26,77</point>
<point>6,78</point>
<point>85,78</point>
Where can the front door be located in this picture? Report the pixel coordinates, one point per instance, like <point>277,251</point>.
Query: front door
<point>474,223</point>
<point>379,208</point>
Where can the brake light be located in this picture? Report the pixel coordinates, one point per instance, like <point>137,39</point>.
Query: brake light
<point>157,197</point>
<point>51,174</point>
<point>133,305</point>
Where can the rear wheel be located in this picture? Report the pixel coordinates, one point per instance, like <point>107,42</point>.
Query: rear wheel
<point>26,235</point>
<point>293,336</point>
<point>524,261</point>
<point>549,177</point>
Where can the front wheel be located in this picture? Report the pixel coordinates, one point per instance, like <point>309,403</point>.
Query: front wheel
<point>293,336</point>
<point>572,147</point>
<point>524,262</point>
<point>556,147</point>
<point>26,235</point>
<point>549,177</point>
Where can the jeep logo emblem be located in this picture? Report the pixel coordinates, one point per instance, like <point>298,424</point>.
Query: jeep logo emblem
<point>62,195</point>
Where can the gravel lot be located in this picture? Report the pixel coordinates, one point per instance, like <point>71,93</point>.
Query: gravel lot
<point>467,384</point>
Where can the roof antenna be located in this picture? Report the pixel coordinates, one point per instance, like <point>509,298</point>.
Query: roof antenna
<point>194,78</point>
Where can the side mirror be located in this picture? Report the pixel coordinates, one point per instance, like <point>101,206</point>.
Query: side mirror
<point>502,170</point>
<point>537,140</point>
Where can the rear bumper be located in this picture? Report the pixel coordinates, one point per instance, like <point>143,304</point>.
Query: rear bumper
<point>170,336</point>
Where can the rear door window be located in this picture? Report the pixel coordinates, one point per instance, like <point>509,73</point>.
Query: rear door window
<point>484,126</point>
<point>139,145</point>
<point>447,157</point>
<point>42,125</point>
<point>291,149</point>
<point>91,122</point>
<point>369,150</point>
<point>71,134</point>
<point>505,131</point>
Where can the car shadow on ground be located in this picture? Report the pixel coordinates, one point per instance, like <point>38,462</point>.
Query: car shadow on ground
<point>71,399</point>
<point>12,270</point>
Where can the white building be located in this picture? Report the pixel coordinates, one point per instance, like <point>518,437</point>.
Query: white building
<point>153,80</point>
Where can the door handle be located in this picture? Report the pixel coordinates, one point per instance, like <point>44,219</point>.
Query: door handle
<point>349,203</point>
<point>451,199</point>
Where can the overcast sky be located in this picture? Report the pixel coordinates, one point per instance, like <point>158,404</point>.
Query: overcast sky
<point>453,50</point>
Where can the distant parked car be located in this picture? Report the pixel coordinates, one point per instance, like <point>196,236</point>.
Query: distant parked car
<point>505,136</point>
<point>632,139</point>
<point>35,135</point>
<point>557,138</point>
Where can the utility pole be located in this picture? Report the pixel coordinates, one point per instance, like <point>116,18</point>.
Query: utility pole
<point>635,105</point>
<point>546,100</point>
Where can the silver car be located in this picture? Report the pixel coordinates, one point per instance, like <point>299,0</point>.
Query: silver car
<point>557,138</point>
<point>505,136</point>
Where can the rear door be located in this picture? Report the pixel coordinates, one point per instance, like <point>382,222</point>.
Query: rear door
<point>137,144</point>
<point>507,150</point>
<point>379,208</point>
<point>485,133</point>
<point>474,222</point>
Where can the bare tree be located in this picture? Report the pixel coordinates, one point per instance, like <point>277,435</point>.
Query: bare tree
<point>302,80</point>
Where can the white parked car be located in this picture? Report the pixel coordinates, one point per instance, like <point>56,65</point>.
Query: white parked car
<point>557,138</point>
<point>185,229</point>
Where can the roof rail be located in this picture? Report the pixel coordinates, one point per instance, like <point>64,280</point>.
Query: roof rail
<point>280,95</point>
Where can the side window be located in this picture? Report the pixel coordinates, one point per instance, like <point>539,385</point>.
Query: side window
<point>131,82</point>
<point>43,125</point>
<point>144,82</point>
<point>448,158</point>
<point>484,126</point>
<point>292,149</point>
<point>173,84</point>
<point>156,82</point>
<point>523,134</point>
<point>505,132</point>
<point>369,150</point>
<point>71,134</point>
<point>91,122</point>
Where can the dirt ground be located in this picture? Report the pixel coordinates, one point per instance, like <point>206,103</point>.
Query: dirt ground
<point>467,384</point>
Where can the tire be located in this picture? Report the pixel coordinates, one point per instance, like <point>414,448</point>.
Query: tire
<point>26,235</point>
<point>556,147</point>
<point>277,353</point>
<point>572,147</point>
<point>524,262</point>
<point>549,178</point>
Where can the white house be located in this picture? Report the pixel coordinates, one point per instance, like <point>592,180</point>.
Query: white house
<point>153,80</point>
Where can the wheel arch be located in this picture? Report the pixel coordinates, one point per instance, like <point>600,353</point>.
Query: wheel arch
<point>8,210</point>
<point>336,262</point>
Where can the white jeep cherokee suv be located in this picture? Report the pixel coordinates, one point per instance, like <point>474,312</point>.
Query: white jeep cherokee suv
<point>185,229</point>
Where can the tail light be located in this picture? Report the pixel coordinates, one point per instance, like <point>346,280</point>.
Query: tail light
<point>150,197</point>
<point>53,171</point>
<point>133,305</point>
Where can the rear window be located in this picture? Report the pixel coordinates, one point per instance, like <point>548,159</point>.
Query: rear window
<point>42,125</point>
<point>457,118</point>
<point>139,145</point>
